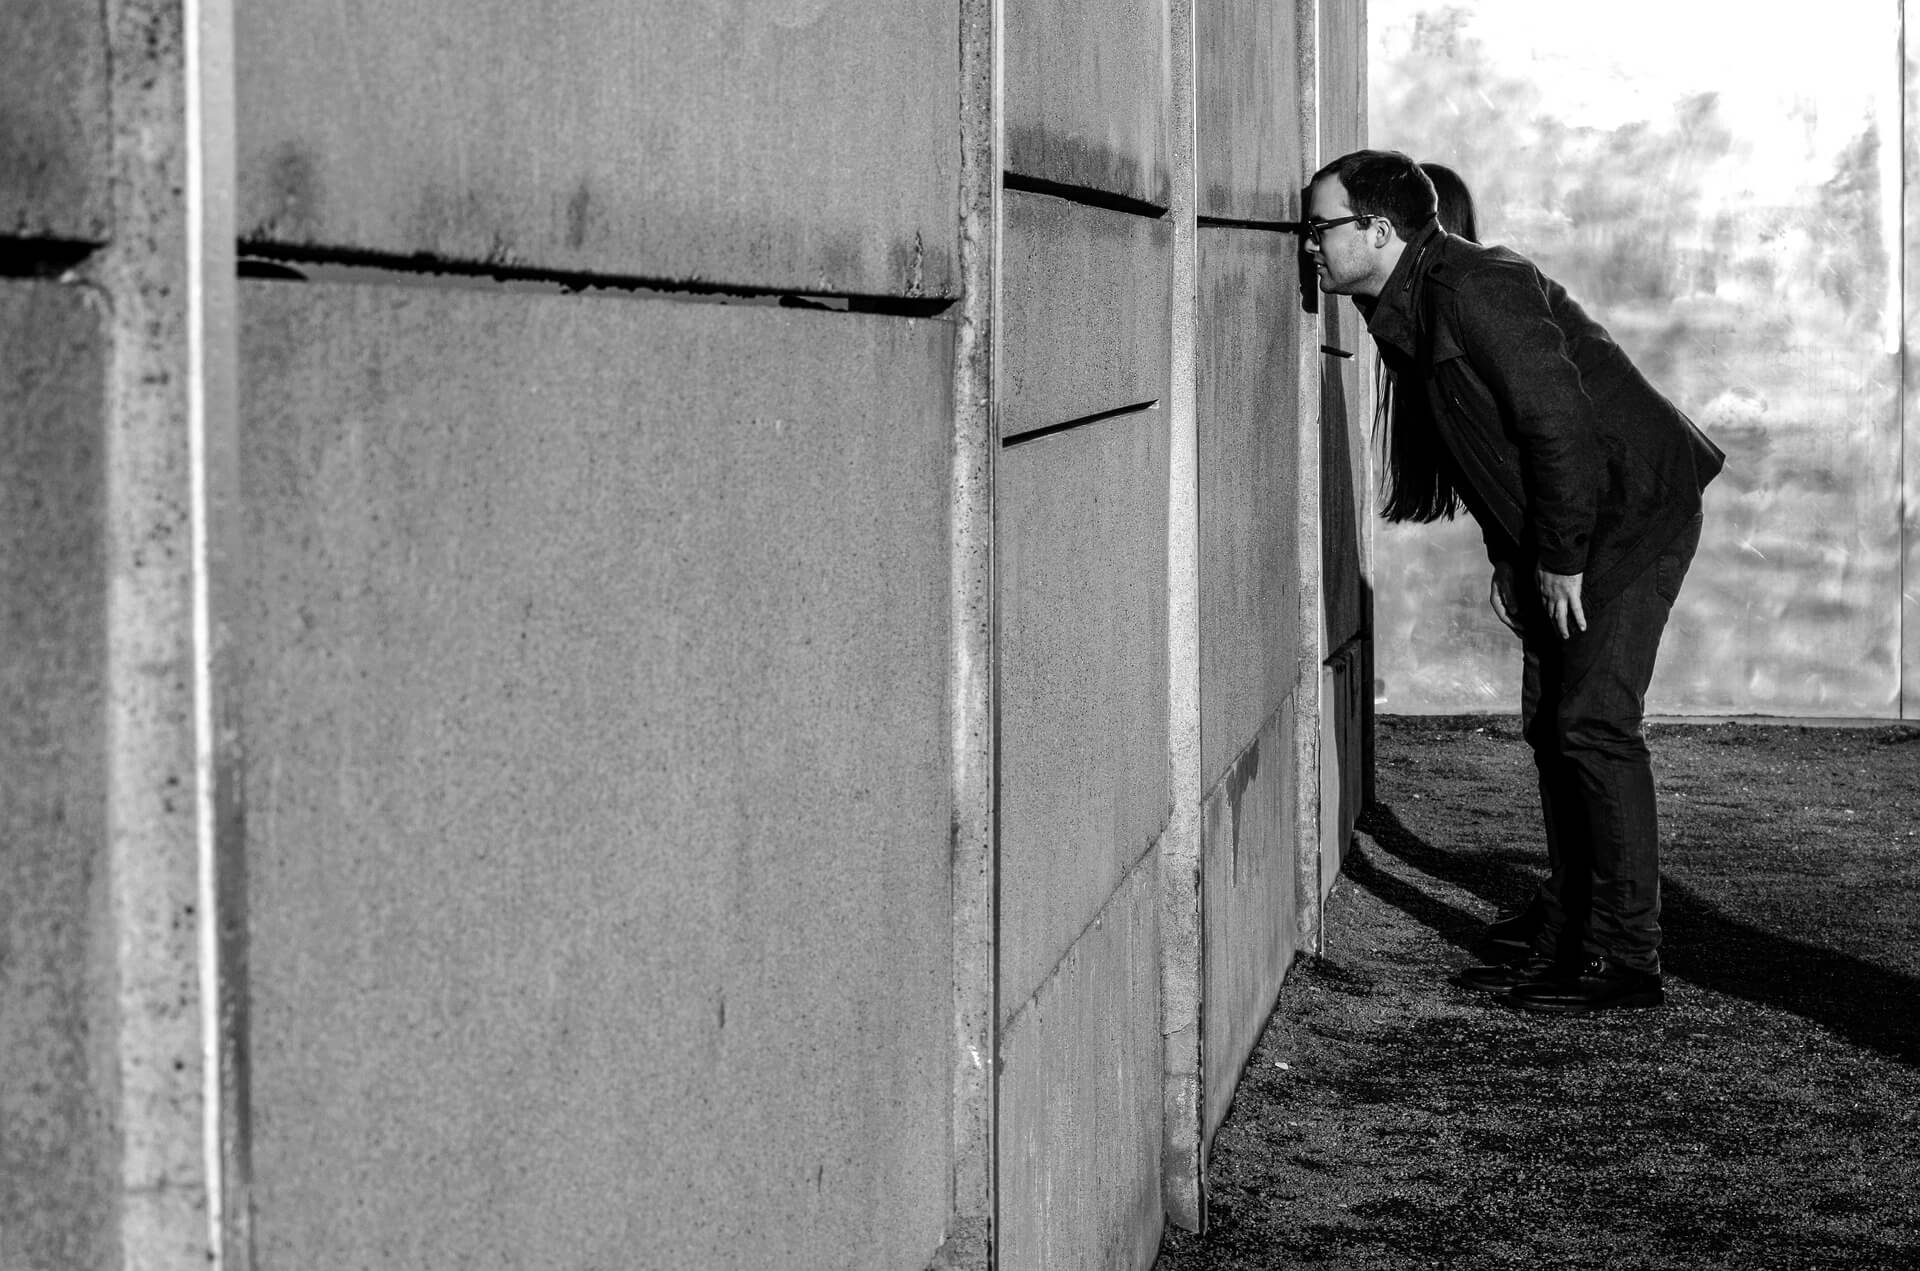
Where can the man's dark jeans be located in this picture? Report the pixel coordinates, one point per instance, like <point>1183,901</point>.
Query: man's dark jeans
<point>1581,704</point>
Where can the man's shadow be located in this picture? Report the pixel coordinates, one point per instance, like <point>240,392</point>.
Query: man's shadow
<point>1869,1005</point>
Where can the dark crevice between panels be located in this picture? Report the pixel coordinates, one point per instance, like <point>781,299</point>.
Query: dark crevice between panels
<point>42,257</point>
<point>1228,222</point>
<point>1084,420</point>
<point>1081,194</point>
<point>275,261</point>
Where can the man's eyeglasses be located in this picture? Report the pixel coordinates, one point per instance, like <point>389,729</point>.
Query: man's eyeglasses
<point>1312,230</point>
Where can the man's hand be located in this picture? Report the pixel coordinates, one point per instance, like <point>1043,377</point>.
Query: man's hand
<point>1560,593</point>
<point>1506,601</point>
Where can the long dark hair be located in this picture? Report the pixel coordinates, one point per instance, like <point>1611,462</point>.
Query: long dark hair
<point>1416,472</point>
<point>1456,201</point>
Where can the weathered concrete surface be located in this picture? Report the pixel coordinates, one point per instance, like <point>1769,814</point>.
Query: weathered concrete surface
<point>1345,508</point>
<point>597,698</point>
<point>973,801</point>
<point>1349,389</point>
<point>54,126</point>
<point>808,145</point>
<point>1250,890</point>
<point>1343,78</point>
<point>1248,417</point>
<point>1346,471</point>
<point>1082,529</point>
<point>1087,83</point>
<point>1342,756</point>
<point>1080,1078</point>
<point>1084,317</point>
<point>58,1163</point>
<point>165,283</point>
<point>1346,421</point>
<point>1182,1164</point>
<point>1247,85</point>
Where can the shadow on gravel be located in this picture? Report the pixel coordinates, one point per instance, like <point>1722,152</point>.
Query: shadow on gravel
<point>1868,1004</point>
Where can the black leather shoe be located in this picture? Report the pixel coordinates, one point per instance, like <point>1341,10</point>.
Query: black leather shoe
<point>1600,985</point>
<point>1498,977</point>
<point>1509,938</point>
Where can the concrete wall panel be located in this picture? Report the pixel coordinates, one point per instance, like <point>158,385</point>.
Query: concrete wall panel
<point>1080,1114</point>
<point>1084,328</point>
<point>58,1171</point>
<point>596,671</point>
<point>1344,507</point>
<point>1087,83</point>
<point>1248,893</point>
<point>807,145</point>
<point>1246,69</point>
<point>1248,407</point>
<point>1342,756</point>
<point>54,126</point>
<point>1343,78</point>
<point>1083,670</point>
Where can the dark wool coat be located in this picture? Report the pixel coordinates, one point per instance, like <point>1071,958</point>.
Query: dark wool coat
<point>1564,453</point>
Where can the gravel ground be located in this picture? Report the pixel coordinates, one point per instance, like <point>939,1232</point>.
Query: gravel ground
<point>1767,1117</point>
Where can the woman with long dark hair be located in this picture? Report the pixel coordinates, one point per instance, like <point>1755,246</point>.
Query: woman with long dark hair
<point>1456,202</point>
<point>1415,484</point>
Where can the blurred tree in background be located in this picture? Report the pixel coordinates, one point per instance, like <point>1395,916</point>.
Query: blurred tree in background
<point>1757,293</point>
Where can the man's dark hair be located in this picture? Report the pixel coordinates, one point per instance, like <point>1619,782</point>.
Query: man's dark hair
<point>1388,184</point>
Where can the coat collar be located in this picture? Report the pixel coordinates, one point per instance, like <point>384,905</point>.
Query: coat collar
<point>1391,316</point>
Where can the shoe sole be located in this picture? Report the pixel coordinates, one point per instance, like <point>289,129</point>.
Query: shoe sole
<point>1505,986</point>
<point>1631,1002</point>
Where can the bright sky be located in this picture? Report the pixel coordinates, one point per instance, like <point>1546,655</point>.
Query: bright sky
<point>1795,83</point>
<point>1631,59</point>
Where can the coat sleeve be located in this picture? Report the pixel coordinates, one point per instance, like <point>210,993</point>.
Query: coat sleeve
<point>1513,343</point>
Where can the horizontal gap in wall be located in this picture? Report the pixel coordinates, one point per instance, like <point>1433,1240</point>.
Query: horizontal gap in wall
<point>1051,429</point>
<point>274,261</point>
<point>1328,348</point>
<point>42,257</point>
<point>1082,195</point>
<point>1228,222</point>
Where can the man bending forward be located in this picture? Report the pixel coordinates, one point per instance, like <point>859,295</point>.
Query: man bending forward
<point>1586,484</point>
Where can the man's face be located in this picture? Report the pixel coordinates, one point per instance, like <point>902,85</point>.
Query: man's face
<point>1344,258</point>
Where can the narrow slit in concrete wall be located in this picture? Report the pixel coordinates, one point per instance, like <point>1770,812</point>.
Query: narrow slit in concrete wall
<point>1037,433</point>
<point>1228,222</point>
<point>306,264</point>
<point>1082,194</point>
<point>42,257</point>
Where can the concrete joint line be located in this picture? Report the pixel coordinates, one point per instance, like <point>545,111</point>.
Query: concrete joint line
<point>1150,855</point>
